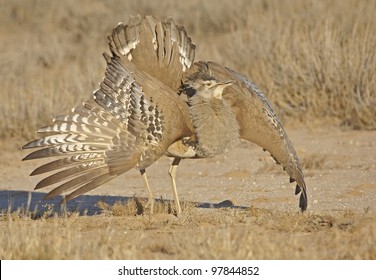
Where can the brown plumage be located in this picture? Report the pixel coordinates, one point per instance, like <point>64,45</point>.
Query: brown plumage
<point>155,100</point>
<point>257,122</point>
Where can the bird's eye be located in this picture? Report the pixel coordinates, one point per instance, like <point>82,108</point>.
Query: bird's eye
<point>207,83</point>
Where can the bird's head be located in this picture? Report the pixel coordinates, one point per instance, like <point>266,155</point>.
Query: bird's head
<point>205,86</point>
<point>209,88</point>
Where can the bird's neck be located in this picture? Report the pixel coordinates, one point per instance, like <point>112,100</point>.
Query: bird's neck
<point>215,126</point>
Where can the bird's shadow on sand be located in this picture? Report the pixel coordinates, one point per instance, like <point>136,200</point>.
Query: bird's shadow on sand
<point>33,202</point>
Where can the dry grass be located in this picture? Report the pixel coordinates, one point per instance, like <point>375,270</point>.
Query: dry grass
<point>313,59</point>
<point>218,234</point>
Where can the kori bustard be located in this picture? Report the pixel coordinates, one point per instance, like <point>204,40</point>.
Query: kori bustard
<point>155,100</point>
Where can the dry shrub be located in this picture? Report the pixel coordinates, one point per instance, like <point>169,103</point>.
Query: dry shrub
<point>313,59</point>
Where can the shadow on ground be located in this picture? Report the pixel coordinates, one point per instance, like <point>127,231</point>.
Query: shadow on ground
<point>11,201</point>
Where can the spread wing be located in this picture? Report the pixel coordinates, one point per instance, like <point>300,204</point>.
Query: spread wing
<point>160,48</point>
<point>259,124</point>
<point>127,126</point>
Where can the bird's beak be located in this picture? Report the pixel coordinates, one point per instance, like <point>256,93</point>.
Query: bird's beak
<point>225,84</point>
<point>219,88</point>
<point>230,82</point>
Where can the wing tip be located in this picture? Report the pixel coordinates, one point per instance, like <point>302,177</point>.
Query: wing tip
<point>303,203</point>
<point>303,200</point>
<point>29,156</point>
<point>28,145</point>
<point>107,57</point>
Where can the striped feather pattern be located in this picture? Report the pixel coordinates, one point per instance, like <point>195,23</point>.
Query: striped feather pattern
<point>99,141</point>
<point>84,151</point>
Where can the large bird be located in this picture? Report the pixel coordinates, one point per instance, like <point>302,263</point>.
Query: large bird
<point>155,100</point>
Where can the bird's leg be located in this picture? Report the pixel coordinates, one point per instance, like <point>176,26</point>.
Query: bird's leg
<point>151,196</point>
<point>172,173</point>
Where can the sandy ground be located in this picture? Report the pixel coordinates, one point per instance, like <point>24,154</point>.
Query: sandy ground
<point>340,170</point>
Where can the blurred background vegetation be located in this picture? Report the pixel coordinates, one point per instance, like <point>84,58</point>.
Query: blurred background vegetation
<point>314,60</point>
